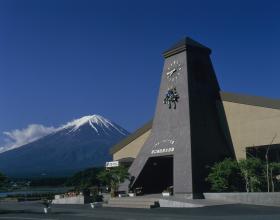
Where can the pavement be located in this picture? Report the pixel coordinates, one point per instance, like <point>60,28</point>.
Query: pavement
<point>34,211</point>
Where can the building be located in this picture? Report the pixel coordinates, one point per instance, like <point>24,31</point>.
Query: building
<point>196,125</point>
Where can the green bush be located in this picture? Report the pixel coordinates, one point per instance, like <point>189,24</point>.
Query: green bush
<point>274,173</point>
<point>113,177</point>
<point>246,175</point>
<point>252,170</point>
<point>225,176</point>
<point>85,178</point>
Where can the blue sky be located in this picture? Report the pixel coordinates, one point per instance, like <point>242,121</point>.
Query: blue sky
<point>61,60</point>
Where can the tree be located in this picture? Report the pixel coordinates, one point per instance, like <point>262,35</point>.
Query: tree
<point>274,172</point>
<point>267,163</point>
<point>85,178</point>
<point>3,179</point>
<point>252,170</point>
<point>113,178</point>
<point>251,174</point>
<point>225,176</point>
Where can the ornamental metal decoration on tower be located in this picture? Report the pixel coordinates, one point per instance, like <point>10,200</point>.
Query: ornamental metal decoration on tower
<point>171,98</point>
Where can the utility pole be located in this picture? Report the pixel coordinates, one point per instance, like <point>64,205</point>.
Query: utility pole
<point>267,163</point>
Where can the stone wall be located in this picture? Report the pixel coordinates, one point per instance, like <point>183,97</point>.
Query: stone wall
<point>258,198</point>
<point>80,199</point>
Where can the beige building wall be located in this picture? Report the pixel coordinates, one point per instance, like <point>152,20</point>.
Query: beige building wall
<point>133,148</point>
<point>251,126</point>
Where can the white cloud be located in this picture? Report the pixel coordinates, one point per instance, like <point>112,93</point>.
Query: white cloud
<point>17,137</point>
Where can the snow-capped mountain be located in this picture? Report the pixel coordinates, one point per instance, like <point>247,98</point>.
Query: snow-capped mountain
<point>95,121</point>
<point>81,143</point>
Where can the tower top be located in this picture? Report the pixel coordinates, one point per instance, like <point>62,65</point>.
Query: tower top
<point>183,45</point>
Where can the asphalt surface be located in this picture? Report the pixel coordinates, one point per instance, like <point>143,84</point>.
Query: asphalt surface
<point>34,211</point>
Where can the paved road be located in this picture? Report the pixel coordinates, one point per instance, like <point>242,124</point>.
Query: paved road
<point>33,211</point>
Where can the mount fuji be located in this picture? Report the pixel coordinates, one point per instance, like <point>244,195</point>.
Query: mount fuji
<point>77,145</point>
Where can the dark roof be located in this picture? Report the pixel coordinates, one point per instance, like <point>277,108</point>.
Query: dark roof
<point>250,100</point>
<point>126,160</point>
<point>131,137</point>
<point>182,45</point>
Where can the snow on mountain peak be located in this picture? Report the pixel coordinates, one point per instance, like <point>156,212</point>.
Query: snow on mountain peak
<point>93,121</point>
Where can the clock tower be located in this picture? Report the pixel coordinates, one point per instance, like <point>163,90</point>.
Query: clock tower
<point>187,134</point>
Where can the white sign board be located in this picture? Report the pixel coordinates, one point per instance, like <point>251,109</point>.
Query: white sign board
<point>112,164</point>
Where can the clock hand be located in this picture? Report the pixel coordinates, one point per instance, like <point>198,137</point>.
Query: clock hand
<point>170,73</point>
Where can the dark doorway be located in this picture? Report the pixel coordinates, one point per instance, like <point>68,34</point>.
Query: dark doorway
<point>156,175</point>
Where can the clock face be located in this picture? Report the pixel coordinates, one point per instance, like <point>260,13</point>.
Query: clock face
<point>173,70</point>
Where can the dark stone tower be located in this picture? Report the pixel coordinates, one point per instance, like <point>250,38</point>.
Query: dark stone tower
<point>186,134</point>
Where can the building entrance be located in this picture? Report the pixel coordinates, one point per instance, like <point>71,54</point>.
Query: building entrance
<point>156,176</point>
